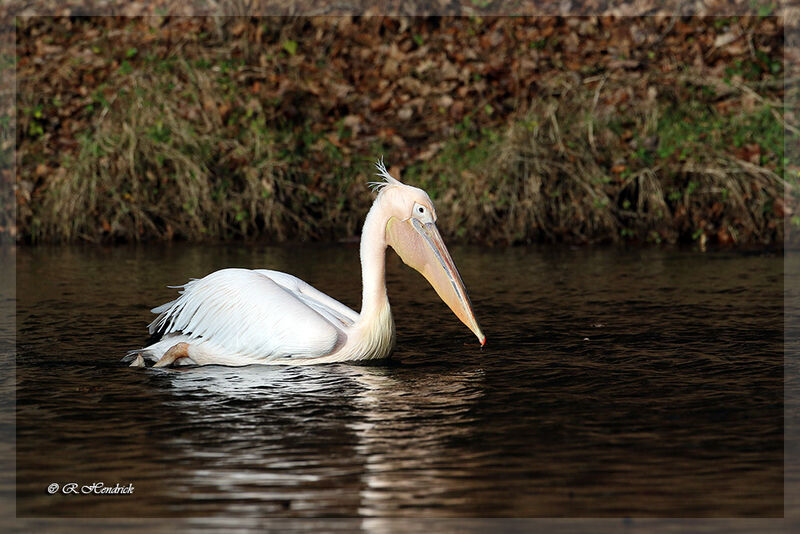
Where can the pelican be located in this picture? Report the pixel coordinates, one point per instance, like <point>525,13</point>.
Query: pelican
<point>242,316</point>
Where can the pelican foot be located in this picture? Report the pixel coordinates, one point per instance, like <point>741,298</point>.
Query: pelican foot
<point>138,362</point>
<point>179,350</point>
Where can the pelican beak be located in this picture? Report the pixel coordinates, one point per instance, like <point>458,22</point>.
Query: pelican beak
<point>420,246</point>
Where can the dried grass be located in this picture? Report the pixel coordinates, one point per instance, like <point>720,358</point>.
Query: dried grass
<point>150,171</point>
<point>154,168</point>
<point>552,177</point>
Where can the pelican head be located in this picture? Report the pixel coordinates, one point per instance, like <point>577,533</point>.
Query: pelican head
<point>411,231</point>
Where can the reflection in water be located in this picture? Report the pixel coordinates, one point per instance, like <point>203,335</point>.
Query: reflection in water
<point>416,428</point>
<point>613,383</point>
<point>396,427</point>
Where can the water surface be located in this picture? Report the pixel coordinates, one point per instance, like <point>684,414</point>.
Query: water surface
<point>613,383</point>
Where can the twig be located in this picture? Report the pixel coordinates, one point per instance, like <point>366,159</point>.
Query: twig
<point>785,124</point>
<point>756,169</point>
<point>750,44</point>
<point>590,119</point>
<point>745,89</point>
<point>780,83</point>
<point>666,32</point>
<point>553,119</point>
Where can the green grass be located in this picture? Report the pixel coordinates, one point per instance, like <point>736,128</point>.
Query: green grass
<point>682,129</point>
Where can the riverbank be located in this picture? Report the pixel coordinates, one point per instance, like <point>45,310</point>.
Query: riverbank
<point>578,130</point>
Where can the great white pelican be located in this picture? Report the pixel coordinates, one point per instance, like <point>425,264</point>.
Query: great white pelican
<point>242,316</point>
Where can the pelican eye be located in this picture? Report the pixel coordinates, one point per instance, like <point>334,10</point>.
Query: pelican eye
<point>422,213</point>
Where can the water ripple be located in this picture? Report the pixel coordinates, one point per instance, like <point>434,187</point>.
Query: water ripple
<point>613,383</point>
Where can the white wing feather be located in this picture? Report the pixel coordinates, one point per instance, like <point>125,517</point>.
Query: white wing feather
<point>326,306</point>
<point>257,314</point>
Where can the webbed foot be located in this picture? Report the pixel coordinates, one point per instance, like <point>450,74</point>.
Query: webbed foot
<point>179,350</point>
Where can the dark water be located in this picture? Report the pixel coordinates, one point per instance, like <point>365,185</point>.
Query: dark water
<point>613,383</point>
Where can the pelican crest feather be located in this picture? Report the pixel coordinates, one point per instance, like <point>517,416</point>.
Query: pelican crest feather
<point>388,179</point>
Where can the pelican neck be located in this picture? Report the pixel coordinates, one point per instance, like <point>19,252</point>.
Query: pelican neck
<point>373,263</point>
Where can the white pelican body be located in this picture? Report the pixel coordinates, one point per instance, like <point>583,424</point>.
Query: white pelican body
<point>242,317</point>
